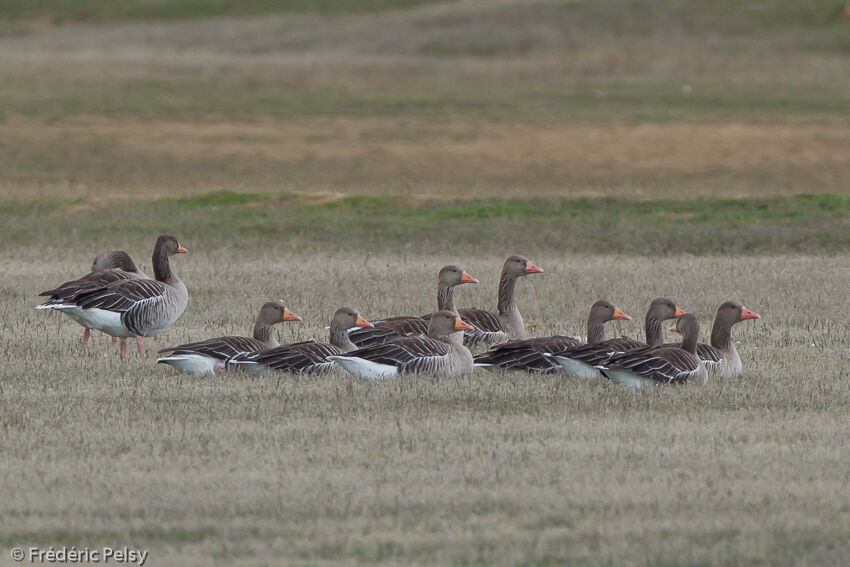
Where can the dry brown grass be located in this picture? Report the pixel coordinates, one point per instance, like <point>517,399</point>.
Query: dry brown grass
<point>487,469</point>
<point>156,158</point>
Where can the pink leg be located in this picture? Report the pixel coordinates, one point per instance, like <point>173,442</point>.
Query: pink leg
<point>141,346</point>
<point>86,336</point>
<point>123,349</point>
<point>114,341</point>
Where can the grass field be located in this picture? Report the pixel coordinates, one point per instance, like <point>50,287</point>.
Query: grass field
<point>491,470</point>
<point>338,153</point>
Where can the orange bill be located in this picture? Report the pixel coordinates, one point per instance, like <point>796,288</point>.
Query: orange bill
<point>747,314</point>
<point>289,315</point>
<point>530,268</point>
<point>621,314</point>
<point>673,328</point>
<point>461,325</point>
<point>180,249</point>
<point>466,278</point>
<point>361,322</point>
<point>679,312</point>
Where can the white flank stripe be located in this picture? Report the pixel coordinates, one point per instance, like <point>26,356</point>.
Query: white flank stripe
<point>192,363</point>
<point>577,368</point>
<point>365,368</point>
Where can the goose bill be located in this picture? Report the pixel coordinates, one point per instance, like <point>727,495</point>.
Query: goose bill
<point>621,315</point>
<point>466,278</point>
<point>747,314</point>
<point>289,315</point>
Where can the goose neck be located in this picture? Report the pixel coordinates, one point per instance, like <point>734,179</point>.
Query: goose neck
<point>595,331</point>
<point>264,333</point>
<point>445,297</point>
<point>340,339</point>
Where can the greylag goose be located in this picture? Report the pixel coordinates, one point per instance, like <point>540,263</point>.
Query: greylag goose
<point>441,353</point>
<point>306,357</point>
<point>489,328</point>
<point>660,365</point>
<point>107,267</point>
<point>135,308</point>
<point>116,260</point>
<point>210,355</point>
<point>410,325</point>
<point>581,361</point>
<point>721,358</point>
<point>529,354</point>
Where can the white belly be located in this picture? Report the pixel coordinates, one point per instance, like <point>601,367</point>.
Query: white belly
<point>577,368</point>
<point>107,321</point>
<point>365,368</point>
<point>193,363</point>
<point>73,312</point>
<point>629,378</point>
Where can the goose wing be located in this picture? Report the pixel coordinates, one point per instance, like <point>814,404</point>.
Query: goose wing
<point>408,354</point>
<point>70,290</point>
<point>387,329</point>
<point>121,296</point>
<point>489,329</point>
<point>600,352</point>
<point>708,354</point>
<point>305,357</point>
<point>221,348</point>
<point>482,320</point>
<point>665,364</point>
<point>527,354</point>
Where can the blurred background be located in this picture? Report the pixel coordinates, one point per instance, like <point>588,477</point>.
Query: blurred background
<point>642,115</point>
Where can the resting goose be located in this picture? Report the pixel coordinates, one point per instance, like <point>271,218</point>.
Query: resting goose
<point>307,357</point>
<point>581,361</point>
<point>721,358</point>
<point>210,355</point>
<point>660,365</point>
<point>530,354</point>
<point>441,353</point>
<point>135,308</point>
<point>489,328</point>
<point>106,268</point>
<point>410,325</point>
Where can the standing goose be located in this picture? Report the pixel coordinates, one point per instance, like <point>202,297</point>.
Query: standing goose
<point>136,308</point>
<point>409,325</point>
<point>306,357</point>
<point>721,358</point>
<point>660,365</point>
<point>107,267</point>
<point>115,260</point>
<point>210,355</point>
<point>489,328</point>
<point>581,361</point>
<point>440,354</point>
<point>530,354</point>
